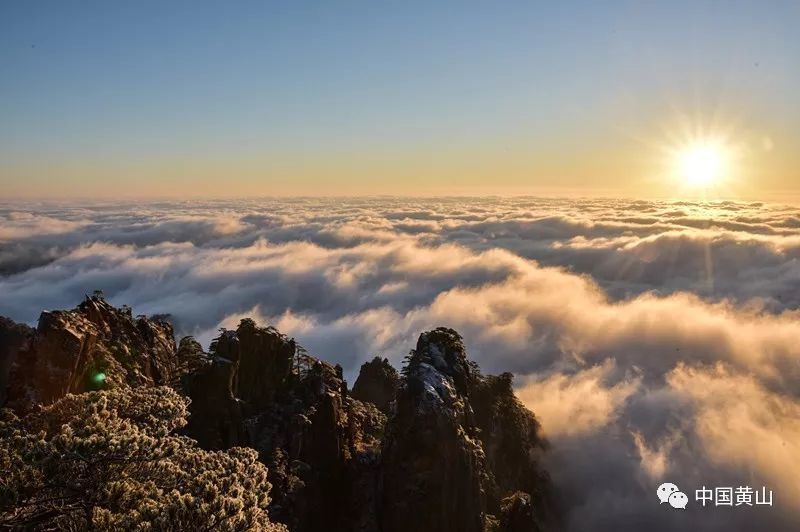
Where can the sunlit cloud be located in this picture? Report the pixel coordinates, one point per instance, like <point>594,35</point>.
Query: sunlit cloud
<point>623,340</point>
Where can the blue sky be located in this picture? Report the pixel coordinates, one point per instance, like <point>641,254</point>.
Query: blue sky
<point>323,89</point>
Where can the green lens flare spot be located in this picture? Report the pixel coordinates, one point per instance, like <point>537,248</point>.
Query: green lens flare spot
<point>99,378</point>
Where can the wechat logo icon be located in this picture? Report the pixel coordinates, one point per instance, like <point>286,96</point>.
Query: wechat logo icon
<point>670,493</point>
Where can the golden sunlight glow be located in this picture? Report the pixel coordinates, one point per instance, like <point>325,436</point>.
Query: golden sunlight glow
<point>702,157</point>
<point>702,164</point>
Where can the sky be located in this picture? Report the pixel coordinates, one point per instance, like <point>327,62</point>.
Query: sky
<point>213,99</point>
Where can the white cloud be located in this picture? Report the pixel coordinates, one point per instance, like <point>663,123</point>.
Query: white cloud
<point>572,405</point>
<point>654,340</point>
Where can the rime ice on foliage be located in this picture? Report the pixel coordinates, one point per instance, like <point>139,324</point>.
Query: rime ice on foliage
<point>107,460</point>
<point>467,441</point>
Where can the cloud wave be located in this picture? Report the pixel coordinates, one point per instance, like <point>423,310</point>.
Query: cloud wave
<point>655,340</point>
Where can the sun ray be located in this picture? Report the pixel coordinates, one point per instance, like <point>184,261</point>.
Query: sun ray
<point>702,164</point>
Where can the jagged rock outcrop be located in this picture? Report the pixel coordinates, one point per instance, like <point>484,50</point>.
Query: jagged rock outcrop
<point>14,337</point>
<point>264,358</point>
<point>377,383</point>
<point>215,419</point>
<point>434,467</point>
<point>333,442</point>
<point>322,447</point>
<point>458,444</point>
<point>439,448</point>
<point>511,438</point>
<point>517,514</point>
<point>92,346</point>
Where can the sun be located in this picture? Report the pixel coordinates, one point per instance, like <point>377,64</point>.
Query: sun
<point>702,164</point>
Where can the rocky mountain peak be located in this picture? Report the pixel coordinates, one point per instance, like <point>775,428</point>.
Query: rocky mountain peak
<point>438,448</point>
<point>14,337</point>
<point>450,442</point>
<point>265,360</point>
<point>92,346</point>
<point>377,383</point>
<point>443,348</point>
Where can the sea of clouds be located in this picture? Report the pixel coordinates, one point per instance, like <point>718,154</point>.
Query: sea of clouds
<point>655,341</point>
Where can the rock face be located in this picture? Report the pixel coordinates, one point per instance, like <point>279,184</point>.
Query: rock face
<point>457,444</point>
<point>439,448</point>
<point>517,513</point>
<point>92,346</point>
<point>511,438</point>
<point>14,337</point>
<point>264,359</point>
<point>433,464</point>
<point>377,383</point>
<point>215,420</point>
<point>322,447</point>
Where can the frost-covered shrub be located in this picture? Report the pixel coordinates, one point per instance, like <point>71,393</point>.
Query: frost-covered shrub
<point>108,460</point>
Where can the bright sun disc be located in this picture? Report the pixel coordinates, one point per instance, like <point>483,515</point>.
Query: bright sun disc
<point>701,164</point>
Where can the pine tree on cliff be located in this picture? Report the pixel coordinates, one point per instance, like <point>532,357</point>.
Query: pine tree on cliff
<point>108,461</point>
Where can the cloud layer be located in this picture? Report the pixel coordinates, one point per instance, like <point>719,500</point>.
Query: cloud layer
<point>656,341</point>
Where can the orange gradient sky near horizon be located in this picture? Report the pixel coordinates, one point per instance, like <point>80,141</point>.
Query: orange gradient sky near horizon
<point>577,100</point>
